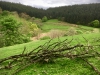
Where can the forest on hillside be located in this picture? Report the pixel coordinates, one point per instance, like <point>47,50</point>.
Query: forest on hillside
<point>78,14</point>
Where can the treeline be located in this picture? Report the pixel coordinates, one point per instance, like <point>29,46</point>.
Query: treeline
<point>78,14</point>
<point>32,11</point>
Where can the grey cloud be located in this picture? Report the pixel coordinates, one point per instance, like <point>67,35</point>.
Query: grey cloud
<point>97,1</point>
<point>53,3</point>
<point>70,2</point>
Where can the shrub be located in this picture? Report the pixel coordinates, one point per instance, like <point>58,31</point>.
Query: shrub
<point>95,23</point>
<point>44,38</point>
<point>34,30</point>
<point>56,33</point>
<point>44,19</point>
<point>37,33</point>
<point>71,31</point>
<point>5,13</point>
<point>87,32</point>
<point>29,28</point>
<point>38,22</point>
<point>61,18</point>
<point>25,16</point>
<point>15,13</point>
<point>32,19</point>
<point>79,32</point>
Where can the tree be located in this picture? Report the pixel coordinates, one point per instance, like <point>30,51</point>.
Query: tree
<point>9,31</point>
<point>44,19</point>
<point>95,23</point>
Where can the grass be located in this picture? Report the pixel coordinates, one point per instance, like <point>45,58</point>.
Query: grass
<point>17,49</point>
<point>59,66</point>
<point>53,24</point>
<point>59,25</point>
<point>63,66</point>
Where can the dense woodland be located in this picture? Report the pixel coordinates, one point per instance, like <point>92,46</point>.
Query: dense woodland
<point>78,14</point>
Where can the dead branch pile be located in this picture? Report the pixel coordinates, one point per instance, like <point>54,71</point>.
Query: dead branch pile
<point>50,51</point>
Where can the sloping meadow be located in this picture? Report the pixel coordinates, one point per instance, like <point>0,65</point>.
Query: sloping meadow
<point>75,55</point>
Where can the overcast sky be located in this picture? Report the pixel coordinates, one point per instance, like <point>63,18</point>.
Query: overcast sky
<point>52,3</point>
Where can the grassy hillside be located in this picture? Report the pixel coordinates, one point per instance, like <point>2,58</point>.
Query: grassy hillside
<point>63,66</point>
<point>58,28</point>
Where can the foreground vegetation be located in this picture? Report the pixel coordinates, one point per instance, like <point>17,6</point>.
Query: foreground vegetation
<point>58,31</point>
<point>59,66</point>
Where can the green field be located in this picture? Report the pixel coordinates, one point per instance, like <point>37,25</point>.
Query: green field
<point>53,24</point>
<point>62,66</point>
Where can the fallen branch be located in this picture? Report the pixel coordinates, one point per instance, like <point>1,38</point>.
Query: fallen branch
<point>93,67</point>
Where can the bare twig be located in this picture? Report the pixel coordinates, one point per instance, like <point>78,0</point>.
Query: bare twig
<point>93,67</point>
